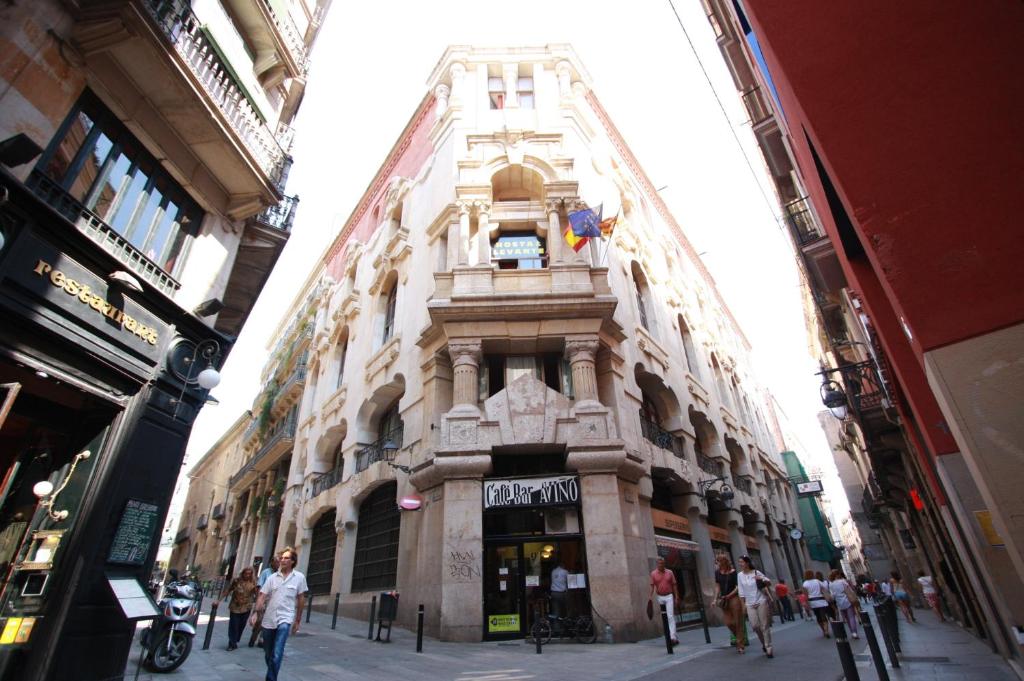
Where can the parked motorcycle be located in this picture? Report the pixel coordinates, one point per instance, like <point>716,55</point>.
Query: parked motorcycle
<point>168,640</point>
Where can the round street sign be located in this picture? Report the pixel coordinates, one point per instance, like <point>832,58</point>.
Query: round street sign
<point>410,502</point>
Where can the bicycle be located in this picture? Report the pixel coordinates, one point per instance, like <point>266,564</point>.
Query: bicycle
<point>581,628</point>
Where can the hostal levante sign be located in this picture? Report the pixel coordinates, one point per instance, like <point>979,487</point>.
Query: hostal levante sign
<point>561,489</point>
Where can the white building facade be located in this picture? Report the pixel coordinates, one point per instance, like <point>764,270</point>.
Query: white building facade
<point>542,404</point>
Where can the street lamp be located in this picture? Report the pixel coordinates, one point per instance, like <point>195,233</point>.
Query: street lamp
<point>724,491</point>
<point>833,397</point>
<point>207,378</point>
<point>390,449</point>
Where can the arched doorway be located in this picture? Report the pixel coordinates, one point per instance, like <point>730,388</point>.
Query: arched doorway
<point>376,561</point>
<point>321,554</point>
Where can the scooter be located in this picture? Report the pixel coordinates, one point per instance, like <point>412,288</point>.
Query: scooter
<point>168,641</point>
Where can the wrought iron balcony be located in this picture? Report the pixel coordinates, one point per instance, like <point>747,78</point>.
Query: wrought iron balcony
<point>284,430</point>
<point>202,522</point>
<point>322,483</point>
<point>218,512</point>
<point>801,221</point>
<point>863,387</point>
<point>660,437</point>
<point>279,216</point>
<point>101,233</point>
<point>183,534</point>
<point>373,453</point>
<point>757,107</point>
<point>185,33</point>
<point>745,483</point>
<point>709,465</point>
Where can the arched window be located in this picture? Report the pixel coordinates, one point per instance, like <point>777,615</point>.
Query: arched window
<point>390,426</point>
<point>322,547</point>
<point>376,561</point>
<point>342,352</point>
<point>389,314</point>
<point>689,350</point>
<point>642,296</point>
<point>723,389</point>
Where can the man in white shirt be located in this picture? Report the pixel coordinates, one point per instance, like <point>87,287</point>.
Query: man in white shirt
<point>559,590</point>
<point>281,600</point>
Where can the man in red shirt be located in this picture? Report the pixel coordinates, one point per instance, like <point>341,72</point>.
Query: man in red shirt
<point>782,593</point>
<point>663,583</point>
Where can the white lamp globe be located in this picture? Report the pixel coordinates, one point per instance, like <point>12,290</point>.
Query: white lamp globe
<point>209,378</point>
<point>42,488</point>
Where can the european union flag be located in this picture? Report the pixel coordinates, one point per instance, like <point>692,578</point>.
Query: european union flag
<point>586,222</point>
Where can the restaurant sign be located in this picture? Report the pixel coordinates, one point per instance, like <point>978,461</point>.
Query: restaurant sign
<point>513,492</point>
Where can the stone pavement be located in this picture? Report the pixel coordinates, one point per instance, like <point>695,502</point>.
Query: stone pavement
<point>931,652</point>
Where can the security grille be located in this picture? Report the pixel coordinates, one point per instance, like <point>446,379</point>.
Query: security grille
<point>321,554</point>
<point>376,563</point>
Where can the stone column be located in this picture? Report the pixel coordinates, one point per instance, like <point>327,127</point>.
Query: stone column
<point>781,563</point>
<point>555,244</point>
<point>483,236</point>
<point>564,72</point>
<point>706,556</point>
<point>466,357</point>
<point>738,541</point>
<point>441,94</point>
<point>767,557</point>
<point>463,235</point>
<point>457,71</point>
<point>452,257</point>
<point>511,75</point>
<point>581,354</point>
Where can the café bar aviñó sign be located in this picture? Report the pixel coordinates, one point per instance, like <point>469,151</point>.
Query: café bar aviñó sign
<point>548,491</point>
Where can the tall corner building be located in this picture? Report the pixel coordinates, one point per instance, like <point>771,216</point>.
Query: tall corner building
<point>537,402</point>
<point>145,147</point>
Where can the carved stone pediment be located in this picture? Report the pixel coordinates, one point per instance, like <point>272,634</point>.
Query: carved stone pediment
<point>527,411</point>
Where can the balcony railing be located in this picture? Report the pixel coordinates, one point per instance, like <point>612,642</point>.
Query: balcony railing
<point>745,484</point>
<point>101,233</point>
<point>373,453</point>
<point>656,435</point>
<point>183,534</point>
<point>757,108</point>
<point>281,215</point>
<point>801,221</point>
<point>322,483</point>
<point>203,522</point>
<point>709,465</point>
<point>292,38</point>
<point>218,512</point>
<point>284,432</point>
<point>185,33</point>
<point>863,386</point>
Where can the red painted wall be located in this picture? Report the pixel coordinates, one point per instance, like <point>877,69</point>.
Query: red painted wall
<point>915,109</point>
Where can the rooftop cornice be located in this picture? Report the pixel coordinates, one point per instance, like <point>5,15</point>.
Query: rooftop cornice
<point>552,54</point>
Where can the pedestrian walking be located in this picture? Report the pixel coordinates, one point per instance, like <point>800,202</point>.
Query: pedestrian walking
<point>257,628</point>
<point>815,590</point>
<point>663,583</point>
<point>846,600</point>
<point>728,599</point>
<point>805,606</point>
<point>782,594</point>
<point>931,593</point>
<point>901,595</point>
<point>753,589</point>
<point>243,592</point>
<point>827,593</point>
<point>281,600</point>
<point>559,591</point>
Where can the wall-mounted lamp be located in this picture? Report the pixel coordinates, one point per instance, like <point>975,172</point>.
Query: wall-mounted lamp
<point>207,378</point>
<point>48,496</point>
<point>724,491</point>
<point>390,449</point>
<point>833,397</point>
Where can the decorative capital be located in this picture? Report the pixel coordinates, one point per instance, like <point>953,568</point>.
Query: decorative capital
<point>465,352</point>
<point>563,68</point>
<point>553,205</point>
<point>482,207</point>
<point>442,91</point>
<point>457,70</point>
<point>581,350</point>
<point>464,206</point>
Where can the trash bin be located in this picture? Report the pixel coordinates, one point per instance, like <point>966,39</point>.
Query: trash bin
<point>388,605</point>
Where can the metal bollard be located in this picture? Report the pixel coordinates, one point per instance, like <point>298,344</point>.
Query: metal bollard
<point>209,626</point>
<point>704,620</point>
<point>536,633</point>
<point>373,615</point>
<point>876,651</point>
<point>664,626</point>
<point>419,629</point>
<point>845,651</point>
<point>309,608</point>
<point>334,618</point>
<point>890,647</point>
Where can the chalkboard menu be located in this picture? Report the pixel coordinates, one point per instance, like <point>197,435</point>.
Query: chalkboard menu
<point>135,533</point>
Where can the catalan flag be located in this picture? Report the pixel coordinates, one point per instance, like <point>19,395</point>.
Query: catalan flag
<point>607,226</point>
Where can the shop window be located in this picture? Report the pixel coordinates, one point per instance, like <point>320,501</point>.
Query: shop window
<point>519,251</point>
<point>101,165</point>
<point>524,92</point>
<point>496,92</point>
<point>376,560</point>
<point>552,368</point>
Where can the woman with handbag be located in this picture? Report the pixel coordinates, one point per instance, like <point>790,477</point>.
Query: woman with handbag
<point>753,585</point>
<point>817,599</point>
<point>728,600</point>
<point>846,600</point>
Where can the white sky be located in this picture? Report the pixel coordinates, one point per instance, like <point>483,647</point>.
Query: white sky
<point>369,72</point>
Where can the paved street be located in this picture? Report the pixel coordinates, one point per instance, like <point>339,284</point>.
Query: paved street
<point>931,651</point>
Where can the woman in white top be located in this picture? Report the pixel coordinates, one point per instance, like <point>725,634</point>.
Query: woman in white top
<point>751,584</point>
<point>931,594</point>
<point>816,599</point>
<point>846,600</point>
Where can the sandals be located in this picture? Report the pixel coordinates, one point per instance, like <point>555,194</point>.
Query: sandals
<point>769,652</point>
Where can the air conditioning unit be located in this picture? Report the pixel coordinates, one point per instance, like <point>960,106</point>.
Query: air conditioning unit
<point>561,521</point>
